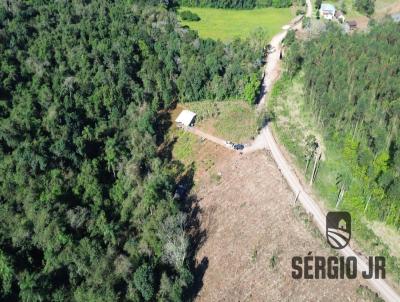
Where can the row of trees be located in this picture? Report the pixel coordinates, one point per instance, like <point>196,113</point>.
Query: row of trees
<point>352,84</point>
<point>238,4</point>
<point>86,198</point>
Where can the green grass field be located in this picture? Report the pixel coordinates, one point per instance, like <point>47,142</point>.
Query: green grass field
<point>227,24</point>
<point>232,120</point>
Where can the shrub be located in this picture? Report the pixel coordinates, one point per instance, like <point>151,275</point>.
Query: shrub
<point>290,37</point>
<point>187,15</point>
<point>251,89</point>
<point>144,281</point>
<point>306,23</point>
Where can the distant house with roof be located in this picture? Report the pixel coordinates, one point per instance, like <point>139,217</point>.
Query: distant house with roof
<point>327,11</point>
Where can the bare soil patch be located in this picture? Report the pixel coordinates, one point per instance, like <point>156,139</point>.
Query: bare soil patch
<point>387,8</point>
<point>252,233</point>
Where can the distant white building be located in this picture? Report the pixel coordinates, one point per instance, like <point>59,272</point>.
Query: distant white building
<point>185,118</point>
<point>327,11</point>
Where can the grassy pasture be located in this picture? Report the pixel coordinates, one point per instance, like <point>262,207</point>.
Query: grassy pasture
<point>232,120</point>
<point>227,24</point>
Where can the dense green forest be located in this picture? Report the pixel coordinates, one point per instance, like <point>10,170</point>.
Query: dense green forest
<point>352,85</point>
<point>86,193</point>
<point>238,4</point>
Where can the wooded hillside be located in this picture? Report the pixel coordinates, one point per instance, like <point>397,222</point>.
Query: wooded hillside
<point>352,85</point>
<point>86,197</point>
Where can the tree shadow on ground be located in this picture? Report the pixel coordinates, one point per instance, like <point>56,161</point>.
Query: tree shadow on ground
<point>189,205</point>
<point>163,123</point>
<point>197,237</point>
<point>261,92</point>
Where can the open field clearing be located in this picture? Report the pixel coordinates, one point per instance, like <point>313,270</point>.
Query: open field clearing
<point>227,24</point>
<point>231,120</point>
<point>252,231</point>
<point>383,7</point>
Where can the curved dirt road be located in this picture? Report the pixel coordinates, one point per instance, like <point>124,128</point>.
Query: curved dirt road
<point>385,291</point>
<point>272,68</point>
<point>266,140</point>
<point>272,72</point>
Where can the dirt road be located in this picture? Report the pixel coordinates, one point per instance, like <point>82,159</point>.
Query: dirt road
<point>207,136</point>
<point>385,291</point>
<point>272,68</point>
<point>272,72</point>
<point>258,144</point>
<point>252,231</point>
<point>266,140</point>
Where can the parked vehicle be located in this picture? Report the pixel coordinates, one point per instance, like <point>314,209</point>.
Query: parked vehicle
<point>238,147</point>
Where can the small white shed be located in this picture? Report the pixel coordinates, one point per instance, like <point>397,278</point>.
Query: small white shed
<point>185,118</point>
<point>327,11</point>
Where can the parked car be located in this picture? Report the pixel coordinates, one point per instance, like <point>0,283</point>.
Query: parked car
<point>238,147</point>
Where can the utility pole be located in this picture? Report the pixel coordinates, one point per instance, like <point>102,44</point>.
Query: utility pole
<point>317,158</point>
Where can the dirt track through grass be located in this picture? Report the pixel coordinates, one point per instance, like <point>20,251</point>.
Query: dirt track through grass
<point>232,120</point>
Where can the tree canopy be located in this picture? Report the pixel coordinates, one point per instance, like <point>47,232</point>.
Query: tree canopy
<point>352,84</point>
<point>86,199</point>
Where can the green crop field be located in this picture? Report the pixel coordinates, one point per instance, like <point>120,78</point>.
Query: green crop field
<point>227,24</point>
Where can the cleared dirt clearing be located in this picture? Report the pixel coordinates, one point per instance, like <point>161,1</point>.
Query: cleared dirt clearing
<point>253,232</point>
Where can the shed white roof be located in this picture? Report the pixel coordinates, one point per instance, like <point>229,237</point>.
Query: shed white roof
<point>185,117</point>
<point>328,7</point>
